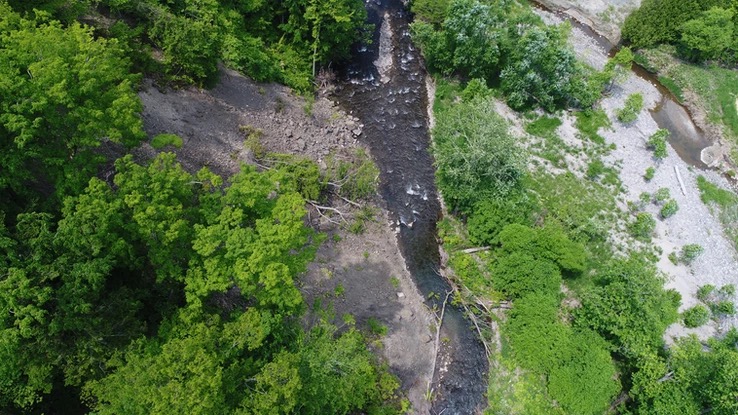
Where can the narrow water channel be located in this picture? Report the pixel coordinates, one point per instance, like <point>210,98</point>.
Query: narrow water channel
<point>391,102</point>
<point>687,140</point>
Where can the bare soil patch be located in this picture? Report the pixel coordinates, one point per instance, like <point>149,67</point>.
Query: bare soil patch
<point>361,275</point>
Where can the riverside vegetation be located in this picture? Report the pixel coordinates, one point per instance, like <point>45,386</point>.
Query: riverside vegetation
<point>692,46</point>
<point>574,321</point>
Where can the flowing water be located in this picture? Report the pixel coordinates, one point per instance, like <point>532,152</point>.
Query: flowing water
<point>384,86</point>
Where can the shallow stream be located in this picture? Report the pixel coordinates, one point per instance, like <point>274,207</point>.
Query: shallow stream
<point>384,86</point>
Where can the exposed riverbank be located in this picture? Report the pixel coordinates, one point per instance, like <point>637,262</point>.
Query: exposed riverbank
<point>693,223</point>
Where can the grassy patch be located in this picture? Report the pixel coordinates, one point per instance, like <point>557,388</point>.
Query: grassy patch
<point>710,192</point>
<point>589,123</point>
<point>543,127</point>
<point>726,201</point>
<point>672,87</point>
<point>162,140</point>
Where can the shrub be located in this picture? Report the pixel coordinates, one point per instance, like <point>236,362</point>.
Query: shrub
<point>674,258</point>
<point>696,316</point>
<point>629,112</point>
<point>476,156</point>
<point>710,192</point>
<point>650,173</point>
<point>543,127</point>
<point>520,273</point>
<point>661,195</point>
<point>657,143</point>
<point>643,226</point>
<point>595,168</point>
<point>724,307</point>
<point>162,140</point>
<point>535,332</point>
<point>690,252</point>
<point>705,291</point>
<point>669,209</point>
<point>490,216</point>
<point>727,290</point>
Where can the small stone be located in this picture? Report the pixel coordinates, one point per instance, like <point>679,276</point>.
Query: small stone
<point>400,295</point>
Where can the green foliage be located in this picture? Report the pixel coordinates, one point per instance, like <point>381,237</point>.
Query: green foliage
<point>581,374</point>
<point>710,36</point>
<point>661,195</point>
<point>669,209</point>
<point>579,207</point>
<point>472,36</point>
<point>356,178</point>
<point>660,21</point>
<point>631,109</point>
<point>162,140</point>
<point>476,156</point>
<point>711,193</point>
<point>431,11</point>
<point>543,127</point>
<point>520,273</point>
<point>541,69</point>
<point>704,292</point>
<point>535,333</point>
<point>504,41</point>
<point>690,252</point>
<point>696,316</point>
<point>210,269</point>
<point>589,122</point>
<point>595,168</point>
<point>657,143</point>
<point>643,226</point>
<point>727,290</point>
<point>673,87</point>
<point>490,216</point>
<point>549,243</point>
<point>616,69</point>
<point>629,306</point>
<point>282,41</point>
<point>650,173</point>
<point>476,88</point>
<point>376,327</point>
<point>191,43</point>
<point>62,93</point>
<point>724,307</point>
<point>584,381</point>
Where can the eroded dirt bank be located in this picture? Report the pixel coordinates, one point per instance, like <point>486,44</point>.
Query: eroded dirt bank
<point>362,275</point>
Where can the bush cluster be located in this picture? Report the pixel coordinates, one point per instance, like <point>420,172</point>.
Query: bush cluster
<point>701,29</point>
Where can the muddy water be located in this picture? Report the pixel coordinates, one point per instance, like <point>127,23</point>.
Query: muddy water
<point>392,107</point>
<point>685,137</point>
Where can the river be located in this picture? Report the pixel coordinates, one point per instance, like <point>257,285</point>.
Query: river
<point>384,86</point>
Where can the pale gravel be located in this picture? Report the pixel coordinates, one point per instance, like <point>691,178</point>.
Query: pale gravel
<point>606,15</point>
<point>693,223</point>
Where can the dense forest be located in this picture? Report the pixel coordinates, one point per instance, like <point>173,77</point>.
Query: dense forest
<point>155,290</point>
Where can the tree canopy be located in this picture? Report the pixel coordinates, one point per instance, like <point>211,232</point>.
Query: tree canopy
<point>166,292</point>
<point>62,93</point>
